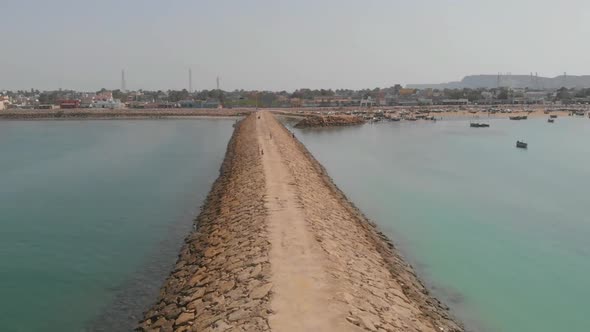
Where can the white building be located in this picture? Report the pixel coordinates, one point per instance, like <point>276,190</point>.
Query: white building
<point>537,97</point>
<point>368,102</point>
<point>4,101</point>
<point>109,103</point>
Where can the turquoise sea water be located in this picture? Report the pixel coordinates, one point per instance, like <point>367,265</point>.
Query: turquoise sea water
<point>501,234</point>
<point>93,213</point>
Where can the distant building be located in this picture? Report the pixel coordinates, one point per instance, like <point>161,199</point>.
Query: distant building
<point>368,102</point>
<point>109,104</point>
<point>4,100</point>
<point>390,99</point>
<point>137,105</point>
<point>425,101</point>
<point>48,107</point>
<point>309,103</point>
<point>71,103</point>
<point>461,101</point>
<point>332,101</point>
<point>167,104</point>
<point>535,97</point>
<point>105,96</point>
<point>105,100</point>
<point>487,95</point>
<point>190,103</point>
<point>295,102</point>
<point>408,102</point>
<point>211,104</point>
<point>407,92</point>
<point>86,102</point>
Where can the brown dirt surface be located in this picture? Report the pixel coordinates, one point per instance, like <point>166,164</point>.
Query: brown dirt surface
<point>365,280</point>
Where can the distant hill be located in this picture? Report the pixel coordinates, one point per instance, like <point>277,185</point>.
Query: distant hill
<point>512,81</point>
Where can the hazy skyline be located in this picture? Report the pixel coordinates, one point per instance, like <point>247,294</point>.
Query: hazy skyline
<point>280,45</point>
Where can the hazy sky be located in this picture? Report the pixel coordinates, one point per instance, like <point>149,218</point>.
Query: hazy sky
<point>276,45</point>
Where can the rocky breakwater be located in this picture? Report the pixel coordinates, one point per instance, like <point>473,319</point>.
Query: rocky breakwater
<point>221,278</point>
<point>364,282</point>
<point>278,247</point>
<point>313,121</point>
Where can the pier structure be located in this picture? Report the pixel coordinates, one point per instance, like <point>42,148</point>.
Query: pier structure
<point>278,247</point>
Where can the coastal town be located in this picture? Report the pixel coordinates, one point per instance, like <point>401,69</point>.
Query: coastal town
<point>318,108</point>
<point>301,98</point>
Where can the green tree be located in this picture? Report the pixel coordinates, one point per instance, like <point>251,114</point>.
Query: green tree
<point>563,94</point>
<point>177,95</point>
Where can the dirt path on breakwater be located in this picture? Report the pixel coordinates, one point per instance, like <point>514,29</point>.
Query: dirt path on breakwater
<point>279,247</point>
<point>303,291</point>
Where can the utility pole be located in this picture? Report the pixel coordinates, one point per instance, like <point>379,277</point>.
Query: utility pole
<point>217,82</point>
<point>123,83</point>
<point>190,81</point>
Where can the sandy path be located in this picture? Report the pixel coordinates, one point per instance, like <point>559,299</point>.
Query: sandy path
<point>304,293</point>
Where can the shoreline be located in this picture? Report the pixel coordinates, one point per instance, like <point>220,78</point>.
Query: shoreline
<point>301,113</point>
<point>124,114</point>
<point>228,273</point>
<point>454,113</point>
<point>123,118</point>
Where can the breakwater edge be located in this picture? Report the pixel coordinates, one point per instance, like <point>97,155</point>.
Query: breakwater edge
<point>278,246</point>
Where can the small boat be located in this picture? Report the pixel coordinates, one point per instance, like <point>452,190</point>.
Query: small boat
<point>478,125</point>
<point>394,118</point>
<point>553,116</point>
<point>518,117</point>
<point>521,145</point>
<point>550,120</point>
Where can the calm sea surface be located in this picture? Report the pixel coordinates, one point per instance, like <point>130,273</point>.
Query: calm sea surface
<point>501,234</point>
<point>93,213</point>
